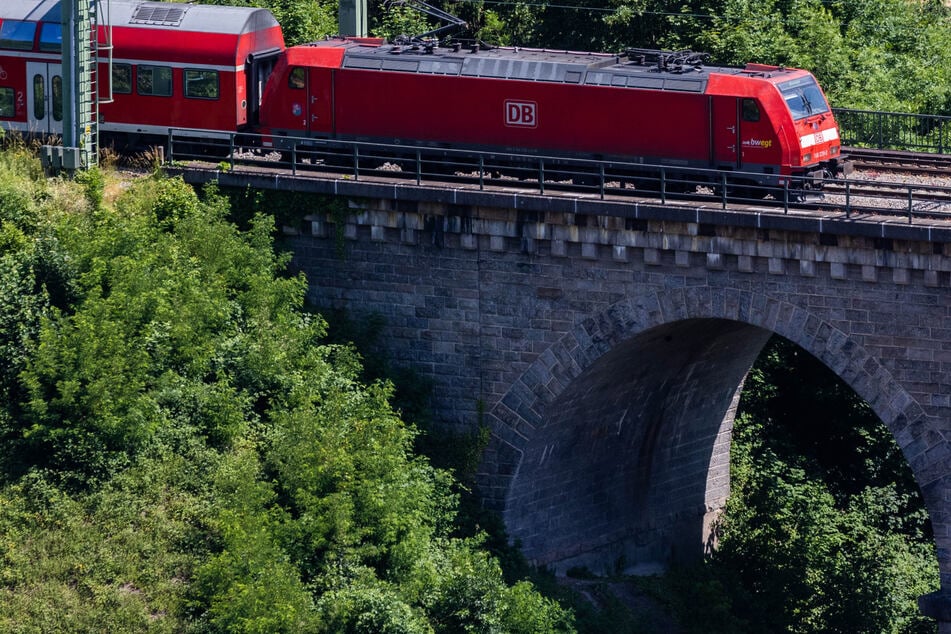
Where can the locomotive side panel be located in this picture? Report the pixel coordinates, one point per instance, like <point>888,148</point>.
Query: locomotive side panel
<point>522,115</point>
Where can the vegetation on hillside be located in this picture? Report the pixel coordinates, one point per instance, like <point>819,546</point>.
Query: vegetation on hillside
<point>181,451</point>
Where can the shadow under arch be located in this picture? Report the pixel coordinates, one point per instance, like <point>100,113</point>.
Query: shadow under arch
<point>612,450</point>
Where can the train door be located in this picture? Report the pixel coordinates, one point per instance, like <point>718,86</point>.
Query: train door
<point>725,133</point>
<point>44,95</point>
<point>320,115</point>
<point>257,72</point>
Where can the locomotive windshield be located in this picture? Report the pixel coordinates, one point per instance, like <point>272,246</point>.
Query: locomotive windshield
<point>803,97</point>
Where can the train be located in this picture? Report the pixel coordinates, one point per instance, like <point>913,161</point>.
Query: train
<point>221,70</point>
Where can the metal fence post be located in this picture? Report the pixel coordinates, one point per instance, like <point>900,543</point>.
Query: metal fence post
<point>881,140</point>
<point>848,199</point>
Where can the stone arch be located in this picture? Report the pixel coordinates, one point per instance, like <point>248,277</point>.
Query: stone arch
<point>564,500</point>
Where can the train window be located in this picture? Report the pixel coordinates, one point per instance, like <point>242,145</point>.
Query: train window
<point>39,97</point>
<point>7,107</point>
<point>122,78</point>
<point>298,78</point>
<point>51,37</point>
<point>57,91</point>
<point>803,97</point>
<point>17,34</point>
<point>750,110</point>
<point>201,84</point>
<point>154,80</point>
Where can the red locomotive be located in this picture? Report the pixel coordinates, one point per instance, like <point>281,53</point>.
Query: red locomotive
<point>226,69</point>
<point>644,106</point>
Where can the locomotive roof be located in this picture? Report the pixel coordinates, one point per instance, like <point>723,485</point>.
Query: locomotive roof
<point>633,70</point>
<point>144,14</point>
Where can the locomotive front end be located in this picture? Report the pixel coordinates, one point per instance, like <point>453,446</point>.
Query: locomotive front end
<point>819,145</point>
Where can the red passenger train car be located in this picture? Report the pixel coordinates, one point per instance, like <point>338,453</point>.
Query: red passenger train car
<point>173,65</point>
<point>644,106</point>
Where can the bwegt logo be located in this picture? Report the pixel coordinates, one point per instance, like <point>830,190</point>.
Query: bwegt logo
<point>522,114</point>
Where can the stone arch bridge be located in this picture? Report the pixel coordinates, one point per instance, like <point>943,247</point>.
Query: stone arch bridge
<point>605,344</point>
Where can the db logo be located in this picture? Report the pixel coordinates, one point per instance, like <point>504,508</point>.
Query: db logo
<point>521,113</point>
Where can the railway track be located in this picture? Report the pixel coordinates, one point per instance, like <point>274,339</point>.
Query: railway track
<point>893,161</point>
<point>898,185</point>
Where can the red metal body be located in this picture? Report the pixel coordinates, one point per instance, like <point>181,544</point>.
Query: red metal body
<point>512,100</point>
<point>225,69</point>
<point>172,65</point>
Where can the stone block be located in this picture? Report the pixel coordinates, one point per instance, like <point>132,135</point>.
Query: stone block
<point>931,278</point>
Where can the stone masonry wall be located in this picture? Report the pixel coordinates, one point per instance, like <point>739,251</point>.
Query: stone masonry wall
<point>608,352</point>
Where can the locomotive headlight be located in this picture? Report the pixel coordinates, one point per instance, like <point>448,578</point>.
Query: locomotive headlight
<point>806,158</point>
<point>833,150</point>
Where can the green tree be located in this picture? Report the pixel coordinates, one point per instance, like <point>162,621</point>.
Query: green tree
<point>190,455</point>
<point>825,529</point>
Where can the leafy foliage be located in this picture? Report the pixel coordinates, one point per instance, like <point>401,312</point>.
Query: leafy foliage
<point>183,451</point>
<point>826,530</point>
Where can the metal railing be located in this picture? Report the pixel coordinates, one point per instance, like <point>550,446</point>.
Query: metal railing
<point>554,175</point>
<point>894,130</point>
